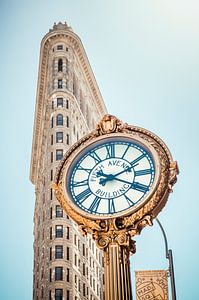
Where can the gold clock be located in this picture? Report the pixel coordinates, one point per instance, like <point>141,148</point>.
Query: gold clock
<point>117,172</point>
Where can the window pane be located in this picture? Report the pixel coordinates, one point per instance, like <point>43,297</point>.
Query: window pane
<point>59,154</point>
<point>59,120</point>
<point>59,102</point>
<point>59,211</point>
<point>59,47</point>
<point>58,273</point>
<point>59,251</point>
<point>59,231</point>
<point>59,83</point>
<point>59,137</point>
<point>60,63</point>
<point>58,294</point>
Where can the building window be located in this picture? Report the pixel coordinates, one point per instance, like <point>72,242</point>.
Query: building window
<point>83,249</point>
<point>51,194</point>
<point>84,289</point>
<point>58,294</point>
<point>59,102</point>
<point>59,211</point>
<point>59,47</point>
<point>67,121</point>
<point>52,122</point>
<point>59,231</point>
<point>50,253</point>
<point>67,295</point>
<point>67,139</point>
<point>51,213</point>
<point>67,103</point>
<point>51,157</point>
<point>59,154</point>
<point>67,253</point>
<point>67,233</point>
<point>60,65</point>
<point>51,175</point>
<point>59,121</point>
<point>75,260</point>
<point>58,273</point>
<point>52,104</point>
<point>58,251</point>
<point>75,239</point>
<point>67,275</point>
<point>50,233</point>
<point>60,84</point>
<point>50,275</point>
<point>79,286</point>
<point>59,137</point>
<point>51,139</point>
<point>84,269</point>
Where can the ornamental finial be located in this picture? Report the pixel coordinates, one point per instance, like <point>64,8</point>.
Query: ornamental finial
<point>109,124</point>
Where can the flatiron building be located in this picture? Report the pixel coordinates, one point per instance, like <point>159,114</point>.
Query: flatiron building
<point>68,105</point>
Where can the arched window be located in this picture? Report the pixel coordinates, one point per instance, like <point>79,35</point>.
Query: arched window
<point>59,120</point>
<point>60,65</point>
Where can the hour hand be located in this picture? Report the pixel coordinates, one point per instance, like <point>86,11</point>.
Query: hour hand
<point>101,173</point>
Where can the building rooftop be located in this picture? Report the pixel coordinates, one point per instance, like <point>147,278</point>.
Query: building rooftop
<point>60,26</point>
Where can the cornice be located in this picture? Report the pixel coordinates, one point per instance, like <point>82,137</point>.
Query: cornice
<point>72,39</point>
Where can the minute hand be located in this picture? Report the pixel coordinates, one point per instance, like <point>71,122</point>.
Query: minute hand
<point>125,170</point>
<point>135,185</point>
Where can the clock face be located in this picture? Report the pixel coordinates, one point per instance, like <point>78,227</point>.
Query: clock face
<point>111,177</point>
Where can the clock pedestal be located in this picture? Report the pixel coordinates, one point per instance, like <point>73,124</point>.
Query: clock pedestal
<point>117,246</point>
<point>117,272</point>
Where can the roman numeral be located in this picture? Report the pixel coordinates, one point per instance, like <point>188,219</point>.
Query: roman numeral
<point>130,202</point>
<point>125,152</point>
<point>95,204</point>
<point>80,183</point>
<point>81,197</point>
<point>96,158</point>
<point>84,169</point>
<point>111,206</point>
<point>143,172</point>
<point>110,150</point>
<point>137,159</point>
<point>140,187</point>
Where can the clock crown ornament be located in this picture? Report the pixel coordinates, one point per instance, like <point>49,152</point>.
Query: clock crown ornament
<point>115,180</point>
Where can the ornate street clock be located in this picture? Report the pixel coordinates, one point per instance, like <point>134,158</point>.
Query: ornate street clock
<point>113,182</point>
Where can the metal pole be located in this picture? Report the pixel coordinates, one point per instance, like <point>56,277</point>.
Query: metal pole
<point>169,256</point>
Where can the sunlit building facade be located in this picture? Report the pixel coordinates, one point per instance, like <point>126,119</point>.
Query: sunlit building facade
<point>68,105</point>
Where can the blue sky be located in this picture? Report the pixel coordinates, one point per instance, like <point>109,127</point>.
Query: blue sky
<point>144,55</point>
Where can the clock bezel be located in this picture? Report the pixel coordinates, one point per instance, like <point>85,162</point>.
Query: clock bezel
<point>68,164</point>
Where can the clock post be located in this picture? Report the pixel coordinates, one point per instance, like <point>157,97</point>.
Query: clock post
<point>113,182</point>
<point>117,247</point>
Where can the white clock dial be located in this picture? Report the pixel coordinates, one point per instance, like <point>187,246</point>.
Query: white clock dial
<point>111,176</point>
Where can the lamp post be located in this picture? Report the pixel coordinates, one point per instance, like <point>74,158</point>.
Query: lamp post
<point>169,256</point>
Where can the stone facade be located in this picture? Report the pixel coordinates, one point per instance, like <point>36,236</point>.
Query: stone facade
<point>68,105</point>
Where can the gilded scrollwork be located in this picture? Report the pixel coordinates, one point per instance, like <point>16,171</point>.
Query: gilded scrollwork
<point>121,229</point>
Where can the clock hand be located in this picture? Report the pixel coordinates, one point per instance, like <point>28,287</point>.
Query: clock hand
<point>101,173</point>
<point>135,185</point>
<point>126,170</point>
<point>121,180</point>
